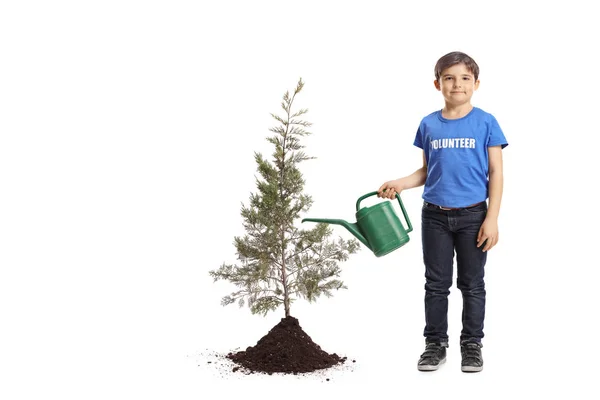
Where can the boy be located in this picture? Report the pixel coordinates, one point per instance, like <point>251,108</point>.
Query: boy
<point>462,167</point>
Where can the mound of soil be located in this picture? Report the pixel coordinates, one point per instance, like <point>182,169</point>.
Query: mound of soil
<point>287,349</point>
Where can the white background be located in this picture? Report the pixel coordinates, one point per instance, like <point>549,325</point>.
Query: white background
<point>127,137</point>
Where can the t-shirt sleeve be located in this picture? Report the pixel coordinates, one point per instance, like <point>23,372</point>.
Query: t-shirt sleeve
<point>496,136</point>
<point>419,137</point>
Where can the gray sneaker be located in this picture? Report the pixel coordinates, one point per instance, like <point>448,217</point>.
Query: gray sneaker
<point>472,361</point>
<point>433,356</point>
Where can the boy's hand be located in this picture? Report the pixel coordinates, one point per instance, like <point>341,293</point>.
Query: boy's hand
<point>488,233</point>
<point>390,188</point>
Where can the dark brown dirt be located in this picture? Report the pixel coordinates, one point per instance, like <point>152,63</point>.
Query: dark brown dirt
<point>286,349</point>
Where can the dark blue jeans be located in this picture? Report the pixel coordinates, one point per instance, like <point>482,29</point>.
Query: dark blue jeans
<point>444,233</point>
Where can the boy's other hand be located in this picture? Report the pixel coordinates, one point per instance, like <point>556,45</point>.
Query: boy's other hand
<point>488,234</point>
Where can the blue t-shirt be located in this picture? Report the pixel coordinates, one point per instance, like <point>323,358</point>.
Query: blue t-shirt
<point>456,151</point>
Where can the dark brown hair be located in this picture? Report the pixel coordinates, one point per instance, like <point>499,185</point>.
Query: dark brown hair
<point>456,57</point>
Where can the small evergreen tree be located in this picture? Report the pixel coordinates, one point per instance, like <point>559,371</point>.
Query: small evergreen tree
<point>277,259</point>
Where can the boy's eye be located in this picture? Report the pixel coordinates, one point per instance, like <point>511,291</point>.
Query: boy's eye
<point>466,78</point>
<point>448,78</point>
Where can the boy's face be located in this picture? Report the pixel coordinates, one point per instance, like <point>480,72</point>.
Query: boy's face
<point>457,84</point>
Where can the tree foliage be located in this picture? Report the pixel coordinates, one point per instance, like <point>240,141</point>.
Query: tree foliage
<point>278,260</point>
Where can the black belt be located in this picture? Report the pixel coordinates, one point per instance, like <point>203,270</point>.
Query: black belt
<point>452,208</point>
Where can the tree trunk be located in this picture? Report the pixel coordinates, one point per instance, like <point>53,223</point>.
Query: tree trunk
<point>286,295</point>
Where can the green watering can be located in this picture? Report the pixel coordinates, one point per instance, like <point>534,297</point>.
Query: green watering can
<point>377,227</point>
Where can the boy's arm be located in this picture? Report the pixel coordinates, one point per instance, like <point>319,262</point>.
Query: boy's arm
<point>488,232</point>
<point>413,180</point>
<point>496,182</point>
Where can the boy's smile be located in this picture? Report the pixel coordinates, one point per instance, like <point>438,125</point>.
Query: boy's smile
<point>457,85</point>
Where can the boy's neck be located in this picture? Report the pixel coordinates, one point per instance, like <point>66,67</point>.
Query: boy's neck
<point>456,111</point>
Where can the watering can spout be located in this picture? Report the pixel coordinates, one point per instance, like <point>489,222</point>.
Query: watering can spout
<point>352,228</point>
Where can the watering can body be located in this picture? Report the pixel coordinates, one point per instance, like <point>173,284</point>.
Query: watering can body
<point>377,227</point>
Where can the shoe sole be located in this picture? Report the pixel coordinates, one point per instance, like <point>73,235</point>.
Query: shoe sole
<point>468,368</point>
<point>430,367</point>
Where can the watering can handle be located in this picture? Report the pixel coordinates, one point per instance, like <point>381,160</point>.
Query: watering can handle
<point>410,228</point>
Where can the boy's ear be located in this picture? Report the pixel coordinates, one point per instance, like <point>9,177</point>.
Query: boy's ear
<point>476,84</point>
<point>437,85</point>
